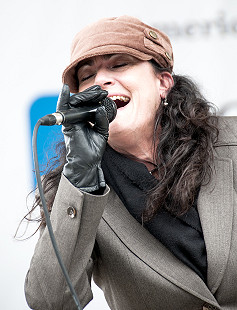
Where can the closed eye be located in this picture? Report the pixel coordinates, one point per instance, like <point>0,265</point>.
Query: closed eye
<point>119,65</point>
<point>87,77</point>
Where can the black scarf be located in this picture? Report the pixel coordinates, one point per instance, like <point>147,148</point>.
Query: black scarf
<point>182,235</point>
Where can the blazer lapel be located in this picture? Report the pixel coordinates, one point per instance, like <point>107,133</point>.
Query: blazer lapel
<point>215,206</point>
<point>152,252</point>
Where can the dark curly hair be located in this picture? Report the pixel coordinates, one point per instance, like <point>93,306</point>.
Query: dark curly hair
<point>186,129</point>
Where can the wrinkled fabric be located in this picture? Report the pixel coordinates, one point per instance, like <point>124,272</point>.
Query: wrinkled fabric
<point>182,235</point>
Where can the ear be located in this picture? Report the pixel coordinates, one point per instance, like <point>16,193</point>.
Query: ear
<point>166,83</point>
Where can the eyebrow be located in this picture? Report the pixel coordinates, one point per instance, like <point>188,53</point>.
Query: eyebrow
<point>89,61</point>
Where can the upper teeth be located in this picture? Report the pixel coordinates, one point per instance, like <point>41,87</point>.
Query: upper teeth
<point>121,98</point>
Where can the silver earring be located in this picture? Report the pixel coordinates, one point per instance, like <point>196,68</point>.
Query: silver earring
<point>165,103</point>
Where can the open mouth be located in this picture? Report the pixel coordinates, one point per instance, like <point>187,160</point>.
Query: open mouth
<point>120,101</point>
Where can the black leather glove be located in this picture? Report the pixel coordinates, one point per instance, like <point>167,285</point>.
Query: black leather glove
<point>85,144</point>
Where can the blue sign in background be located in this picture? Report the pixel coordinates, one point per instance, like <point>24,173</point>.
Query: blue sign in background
<point>48,136</point>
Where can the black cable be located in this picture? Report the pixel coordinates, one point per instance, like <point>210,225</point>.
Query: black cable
<point>47,218</point>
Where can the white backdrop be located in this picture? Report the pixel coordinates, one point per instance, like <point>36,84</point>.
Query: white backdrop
<point>35,46</point>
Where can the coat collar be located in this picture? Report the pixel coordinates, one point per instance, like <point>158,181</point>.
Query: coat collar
<point>216,223</point>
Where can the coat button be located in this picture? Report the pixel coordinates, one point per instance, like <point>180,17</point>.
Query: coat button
<point>72,212</point>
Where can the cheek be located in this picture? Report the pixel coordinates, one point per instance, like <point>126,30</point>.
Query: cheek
<point>148,107</point>
<point>85,85</point>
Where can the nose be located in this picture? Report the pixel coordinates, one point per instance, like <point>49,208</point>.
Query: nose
<point>104,78</point>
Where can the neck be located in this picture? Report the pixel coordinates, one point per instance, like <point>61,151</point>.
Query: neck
<point>141,152</point>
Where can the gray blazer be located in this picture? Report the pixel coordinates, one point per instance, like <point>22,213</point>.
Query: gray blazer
<point>135,271</point>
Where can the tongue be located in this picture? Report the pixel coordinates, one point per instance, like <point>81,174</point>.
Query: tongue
<point>120,103</point>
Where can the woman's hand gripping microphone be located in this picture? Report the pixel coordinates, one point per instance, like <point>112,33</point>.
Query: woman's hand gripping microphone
<point>85,144</point>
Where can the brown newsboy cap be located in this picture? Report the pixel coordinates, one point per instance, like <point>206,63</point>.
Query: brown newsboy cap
<point>124,34</point>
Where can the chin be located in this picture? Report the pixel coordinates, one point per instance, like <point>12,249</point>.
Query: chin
<point>119,125</point>
<point>114,130</point>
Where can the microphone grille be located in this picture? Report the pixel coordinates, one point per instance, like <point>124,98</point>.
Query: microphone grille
<point>110,108</point>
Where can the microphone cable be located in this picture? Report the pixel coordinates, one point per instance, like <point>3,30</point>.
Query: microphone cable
<point>47,218</point>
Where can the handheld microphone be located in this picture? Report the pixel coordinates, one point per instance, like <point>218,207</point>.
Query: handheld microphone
<point>75,115</point>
